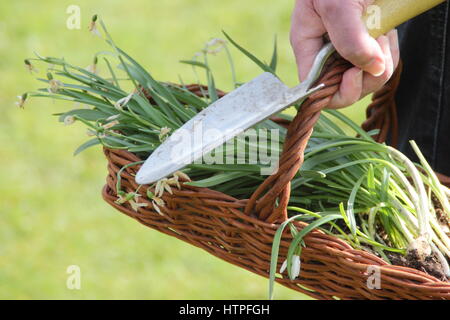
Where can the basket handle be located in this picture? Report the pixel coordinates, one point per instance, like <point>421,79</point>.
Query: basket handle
<point>270,199</point>
<point>381,114</point>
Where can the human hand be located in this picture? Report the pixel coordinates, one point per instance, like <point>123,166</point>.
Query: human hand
<point>374,60</point>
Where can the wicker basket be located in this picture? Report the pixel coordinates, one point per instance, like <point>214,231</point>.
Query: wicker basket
<point>241,231</point>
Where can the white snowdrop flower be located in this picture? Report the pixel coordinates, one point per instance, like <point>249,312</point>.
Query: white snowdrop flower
<point>68,120</point>
<point>21,100</point>
<point>95,31</point>
<point>214,46</point>
<point>283,266</point>
<point>123,102</point>
<point>167,187</point>
<point>163,133</point>
<point>135,205</point>
<point>125,197</point>
<point>165,184</point>
<point>161,186</point>
<point>181,175</point>
<point>92,68</point>
<point>157,204</point>
<point>215,41</point>
<point>55,85</point>
<point>132,199</point>
<point>111,118</point>
<point>93,27</point>
<point>30,67</point>
<point>109,125</point>
<point>296,264</point>
<point>122,199</point>
<point>174,181</point>
<point>159,190</point>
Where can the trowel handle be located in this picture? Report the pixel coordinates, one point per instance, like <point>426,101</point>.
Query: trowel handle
<point>385,15</point>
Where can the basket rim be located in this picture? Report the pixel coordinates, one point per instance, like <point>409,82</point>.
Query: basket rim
<point>342,251</point>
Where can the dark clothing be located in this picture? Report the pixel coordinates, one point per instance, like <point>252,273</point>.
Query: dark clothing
<point>423,97</point>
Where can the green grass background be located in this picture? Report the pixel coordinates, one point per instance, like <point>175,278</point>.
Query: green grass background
<point>51,211</point>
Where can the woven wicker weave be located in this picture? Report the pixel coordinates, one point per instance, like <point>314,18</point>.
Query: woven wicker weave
<point>241,231</point>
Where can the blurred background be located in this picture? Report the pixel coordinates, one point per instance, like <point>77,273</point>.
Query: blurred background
<point>51,211</point>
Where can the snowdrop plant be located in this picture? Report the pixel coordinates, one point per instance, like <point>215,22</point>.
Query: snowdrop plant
<point>363,192</point>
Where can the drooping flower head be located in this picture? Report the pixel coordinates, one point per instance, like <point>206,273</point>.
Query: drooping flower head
<point>93,26</point>
<point>21,100</point>
<point>30,67</point>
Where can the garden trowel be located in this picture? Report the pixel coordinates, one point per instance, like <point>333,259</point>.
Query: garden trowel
<point>259,99</point>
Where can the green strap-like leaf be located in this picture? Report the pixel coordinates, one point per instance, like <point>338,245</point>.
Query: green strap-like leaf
<point>86,145</point>
<point>261,64</point>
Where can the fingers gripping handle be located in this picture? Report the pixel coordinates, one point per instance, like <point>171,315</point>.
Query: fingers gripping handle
<point>270,200</point>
